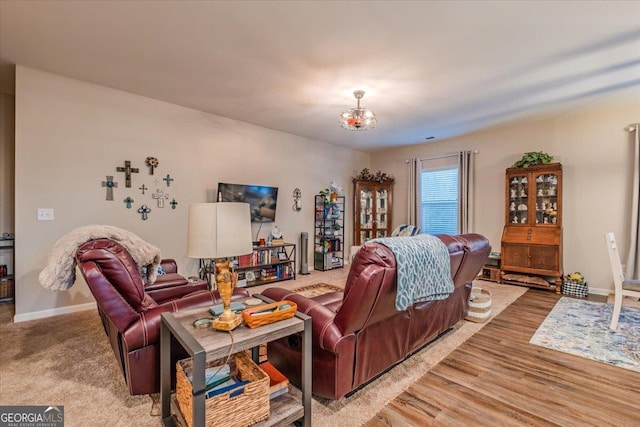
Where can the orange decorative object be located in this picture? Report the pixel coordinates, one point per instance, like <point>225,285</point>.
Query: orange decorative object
<point>268,313</point>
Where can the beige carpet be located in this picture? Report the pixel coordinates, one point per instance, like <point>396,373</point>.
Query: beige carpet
<point>66,360</point>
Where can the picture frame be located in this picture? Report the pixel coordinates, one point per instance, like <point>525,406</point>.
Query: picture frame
<point>282,256</point>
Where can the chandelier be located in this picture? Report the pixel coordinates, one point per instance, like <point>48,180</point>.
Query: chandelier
<point>357,118</point>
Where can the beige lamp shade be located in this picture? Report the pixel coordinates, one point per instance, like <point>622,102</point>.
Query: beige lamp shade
<point>219,230</point>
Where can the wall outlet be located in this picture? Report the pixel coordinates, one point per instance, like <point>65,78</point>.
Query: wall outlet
<point>45,214</point>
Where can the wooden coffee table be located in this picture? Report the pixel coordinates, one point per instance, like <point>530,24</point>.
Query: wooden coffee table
<point>208,344</point>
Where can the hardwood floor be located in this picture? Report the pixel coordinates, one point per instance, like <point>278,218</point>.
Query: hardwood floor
<point>496,378</point>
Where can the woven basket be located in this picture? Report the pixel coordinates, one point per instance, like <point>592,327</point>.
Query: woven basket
<point>221,410</point>
<point>6,288</point>
<point>580,290</point>
<point>277,313</point>
<point>479,305</point>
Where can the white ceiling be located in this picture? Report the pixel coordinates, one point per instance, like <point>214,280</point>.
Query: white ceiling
<point>428,68</point>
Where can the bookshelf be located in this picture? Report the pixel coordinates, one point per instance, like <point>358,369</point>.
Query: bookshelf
<point>328,250</point>
<point>266,264</point>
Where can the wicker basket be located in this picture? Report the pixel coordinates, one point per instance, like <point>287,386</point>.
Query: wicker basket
<point>479,305</point>
<point>6,288</point>
<point>276,313</point>
<point>221,410</point>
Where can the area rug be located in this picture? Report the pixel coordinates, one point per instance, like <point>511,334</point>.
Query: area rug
<point>581,328</point>
<point>317,289</point>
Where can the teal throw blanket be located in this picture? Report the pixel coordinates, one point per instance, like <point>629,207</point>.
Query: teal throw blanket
<point>423,268</point>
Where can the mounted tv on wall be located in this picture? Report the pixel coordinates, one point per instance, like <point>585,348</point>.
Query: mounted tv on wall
<point>262,199</point>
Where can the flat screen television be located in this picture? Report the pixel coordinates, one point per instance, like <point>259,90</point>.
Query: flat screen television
<point>262,199</point>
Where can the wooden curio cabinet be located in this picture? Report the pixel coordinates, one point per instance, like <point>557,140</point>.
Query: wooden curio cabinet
<point>372,209</point>
<point>532,235</point>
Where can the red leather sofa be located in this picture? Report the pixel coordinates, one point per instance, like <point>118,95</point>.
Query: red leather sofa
<point>131,315</point>
<point>171,285</point>
<point>358,334</point>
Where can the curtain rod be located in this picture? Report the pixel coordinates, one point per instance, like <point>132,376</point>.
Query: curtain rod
<point>631,128</point>
<point>444,156</point>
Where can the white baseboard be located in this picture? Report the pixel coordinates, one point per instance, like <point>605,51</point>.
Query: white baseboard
<point>24,317</point>
<point>600,291</point>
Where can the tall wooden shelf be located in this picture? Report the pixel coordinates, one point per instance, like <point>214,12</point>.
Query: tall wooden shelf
<point>372,209</point>
<point>532,235</point>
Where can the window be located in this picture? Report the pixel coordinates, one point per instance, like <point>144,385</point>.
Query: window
<point>439,200</point>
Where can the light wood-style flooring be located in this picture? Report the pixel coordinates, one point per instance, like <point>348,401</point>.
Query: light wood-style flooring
<point>496,378</point>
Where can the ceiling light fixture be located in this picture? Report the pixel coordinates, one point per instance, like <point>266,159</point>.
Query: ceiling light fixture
<point>357,118</point>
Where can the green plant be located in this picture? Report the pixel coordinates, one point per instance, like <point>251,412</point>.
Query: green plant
<point>533,158</point>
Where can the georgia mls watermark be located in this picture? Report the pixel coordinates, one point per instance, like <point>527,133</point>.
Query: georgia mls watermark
<point>31,416</point>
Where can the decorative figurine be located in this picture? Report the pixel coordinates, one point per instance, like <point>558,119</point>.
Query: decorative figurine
<point>128,170</point>
<point>512,206</point>
<point>110,186</point>
<point>513,192</point>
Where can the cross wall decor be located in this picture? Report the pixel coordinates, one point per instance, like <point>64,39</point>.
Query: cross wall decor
<point>110,186</point>
<point>128,170</point>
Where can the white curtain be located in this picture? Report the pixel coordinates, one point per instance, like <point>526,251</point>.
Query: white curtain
<point>466,175</point>
<point>633,260</point>
<point>413,188</point>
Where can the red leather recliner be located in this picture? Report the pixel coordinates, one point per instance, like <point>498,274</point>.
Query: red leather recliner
<point>358,334</point>
<point>131,317</point>
<point>171,285</point>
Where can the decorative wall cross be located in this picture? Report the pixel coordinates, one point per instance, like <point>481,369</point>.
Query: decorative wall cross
<point>110,186</point>
<point>168,179</point>
<point>128,201</point>
<point>144,211</point>
<point>153,163</point>
<point>160,195</point>
<point>173,203</point>
<point>128,170</point>
<point>143,188</point>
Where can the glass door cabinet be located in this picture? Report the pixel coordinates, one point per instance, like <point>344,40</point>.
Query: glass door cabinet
<point>372,210</point>
<point>532,235</point>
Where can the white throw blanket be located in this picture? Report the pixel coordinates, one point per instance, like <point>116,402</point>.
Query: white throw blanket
<point>60,271</point>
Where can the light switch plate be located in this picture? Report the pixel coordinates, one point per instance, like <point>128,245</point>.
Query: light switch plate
<point>45,214</point>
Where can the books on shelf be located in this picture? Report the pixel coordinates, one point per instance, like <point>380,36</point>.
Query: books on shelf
<point>218,380</point>
<point>278,383</point>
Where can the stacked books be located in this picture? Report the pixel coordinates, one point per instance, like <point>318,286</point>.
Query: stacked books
<point>278,383</point>
<point>218,380</point>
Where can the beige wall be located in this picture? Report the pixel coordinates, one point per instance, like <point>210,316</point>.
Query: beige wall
<point>6,164</point>
<point>71,134</point>
<point>596,154</point>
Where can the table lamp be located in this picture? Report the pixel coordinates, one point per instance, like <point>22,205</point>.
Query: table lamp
<point>219,231</point>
